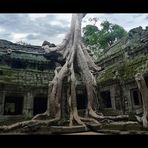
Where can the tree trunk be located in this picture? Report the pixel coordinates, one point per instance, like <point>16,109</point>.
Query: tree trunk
<point>144,92</point>
<point>73,52</point>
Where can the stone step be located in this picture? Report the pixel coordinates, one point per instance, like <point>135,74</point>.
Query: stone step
<point>115,126</point>
<point>123,126</point>
<point>67,129</point>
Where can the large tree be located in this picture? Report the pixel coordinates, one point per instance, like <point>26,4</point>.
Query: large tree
<point>76,55</point>
<point>102,38</point>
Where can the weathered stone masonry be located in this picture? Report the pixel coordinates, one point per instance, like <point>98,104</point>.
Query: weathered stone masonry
<point>120,63</point>
<point>25,72</point>
<point>24,78</point>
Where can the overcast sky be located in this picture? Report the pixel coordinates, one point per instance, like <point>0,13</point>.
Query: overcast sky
<point>35,28</point>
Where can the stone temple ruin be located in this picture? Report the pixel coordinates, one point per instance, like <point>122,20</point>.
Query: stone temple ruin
<point>120,63</point>
<point>26,71</point>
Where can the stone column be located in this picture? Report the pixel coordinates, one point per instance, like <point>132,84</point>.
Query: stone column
<point>2,100</point>
<point>112,95</point>
<point>28,104</point>
<point>128,95</point>
<point>117,98</point>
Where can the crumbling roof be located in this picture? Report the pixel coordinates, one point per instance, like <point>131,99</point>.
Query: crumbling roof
<point>128,56</point>
<point>126,70</point>
<point>24,56</point>
<point>4,44</point>
<point>29,53</point>
<point>136,40</point>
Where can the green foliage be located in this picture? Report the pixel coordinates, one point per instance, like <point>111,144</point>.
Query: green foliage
<point>90,34</point>
<point>98,40</point>
<point>107,75</point>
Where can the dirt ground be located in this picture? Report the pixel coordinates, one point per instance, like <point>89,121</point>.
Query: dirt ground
<point>86,133</point>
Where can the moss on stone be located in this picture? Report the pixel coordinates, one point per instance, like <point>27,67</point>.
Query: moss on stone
<point>106,75</point>
<point>25,77</point>
<point>123,127</point>
<point>126,70</point>
<point>35,58</point>
<point>110,112</point>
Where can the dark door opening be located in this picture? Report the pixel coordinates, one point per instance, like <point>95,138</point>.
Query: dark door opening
<point>40,105</point>
<point>18,64</point>
<point>136,96</point>
<point>106,99</point>
<point>81,99</point>
<point>13,105</point>
<point>146,80</point>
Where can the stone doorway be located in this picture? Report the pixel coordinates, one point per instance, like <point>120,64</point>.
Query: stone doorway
<point>40,105</point>
<point>136,97</point>
<point>146,80</point>
<point>106,99</point>
<point>81,99</point>
<point>13,105</point>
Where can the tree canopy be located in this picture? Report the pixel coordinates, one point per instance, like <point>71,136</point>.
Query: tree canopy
<point>99,39</point>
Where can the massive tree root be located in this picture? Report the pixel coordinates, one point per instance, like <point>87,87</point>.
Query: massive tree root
<point>75,53</point>
<point>144,92</point>
<point>29,126</point>
<point>77,61</point>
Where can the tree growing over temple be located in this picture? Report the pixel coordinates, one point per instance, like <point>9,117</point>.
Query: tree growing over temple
<point>77,58</point>
<point>77,61</point>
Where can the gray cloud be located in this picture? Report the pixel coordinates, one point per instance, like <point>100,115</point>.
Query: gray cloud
<point>136,15</point>
<point>22,23</point>
<point>127,20</point>
<point>35,28</point>
<point>32,37</point>
<point>146,17</point>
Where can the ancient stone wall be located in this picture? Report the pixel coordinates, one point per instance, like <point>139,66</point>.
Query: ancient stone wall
<point>25,77</point>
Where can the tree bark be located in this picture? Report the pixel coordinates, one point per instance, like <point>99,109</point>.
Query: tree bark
<point>74,51</point>
<point>144,92</point>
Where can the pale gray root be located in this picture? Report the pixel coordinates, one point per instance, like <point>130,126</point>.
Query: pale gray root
<point>25,124</point>
<point>71,55</point>
<point>144,93</point>
<point>72,100</point>
<point>92,66</point>
<point>42,116</point>
<point>75,51</point>
<point>59,47</point>
<point>89,120</point>
<point>139,119</point>
<point>88,80</point>
<point>68,68</point>
<point>51,94</point>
